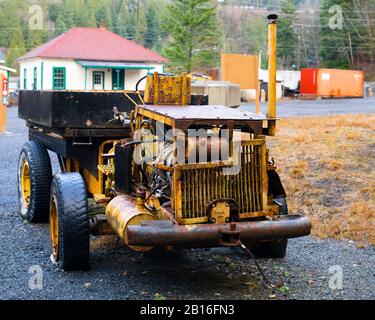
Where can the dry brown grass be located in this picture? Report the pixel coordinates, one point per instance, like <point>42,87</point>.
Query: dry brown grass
<point>327,167</point>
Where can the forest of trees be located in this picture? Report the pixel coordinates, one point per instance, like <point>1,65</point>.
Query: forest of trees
<point>193,33</point>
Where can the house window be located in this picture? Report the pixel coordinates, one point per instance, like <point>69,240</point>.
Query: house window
<point>98,80</point>
<point>25,79</point>
<point>35,83</point>
<point>59,78</point>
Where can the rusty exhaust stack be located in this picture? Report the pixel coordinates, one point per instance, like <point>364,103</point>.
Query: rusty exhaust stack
<point>272,41</point>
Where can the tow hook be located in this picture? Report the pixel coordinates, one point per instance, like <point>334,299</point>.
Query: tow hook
<point>231,237</point>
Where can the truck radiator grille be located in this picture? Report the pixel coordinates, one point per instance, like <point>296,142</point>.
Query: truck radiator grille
<point>199,187</point>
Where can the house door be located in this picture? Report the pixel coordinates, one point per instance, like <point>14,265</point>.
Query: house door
<point>118,79</point>
<point>98,80</point>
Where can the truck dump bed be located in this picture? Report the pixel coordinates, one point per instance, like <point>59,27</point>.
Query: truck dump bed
<point>75,110</point>
<point>78,109</point>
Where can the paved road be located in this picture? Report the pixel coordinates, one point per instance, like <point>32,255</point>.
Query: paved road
<point>118,273</point>
<point>298,108</point>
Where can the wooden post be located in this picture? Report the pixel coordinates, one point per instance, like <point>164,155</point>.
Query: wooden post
<point>257,99</point>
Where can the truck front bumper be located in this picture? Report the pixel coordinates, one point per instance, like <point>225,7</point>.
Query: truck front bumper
<point>165,233</point>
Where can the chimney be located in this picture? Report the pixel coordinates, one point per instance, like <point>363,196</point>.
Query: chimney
<point>102,25</point>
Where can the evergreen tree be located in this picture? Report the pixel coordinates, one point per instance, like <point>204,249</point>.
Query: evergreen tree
<point>121,20</point>
<point>333,42</point>
<point>81,16</point>
<point>152,36</point>
<point>131,21</point>
<point>15,40</point>
<point>193,41</point>
<point>35,38</point>
<point>287,39</point>
<point>350,42</point>
<point>256,38</point>
<point>60,26</point>
<point>103,14</point>
<point>141,24</point>
<point>4,36</point>
<point>92,6</point>
<point>68,11</point>
<point>54,10</point>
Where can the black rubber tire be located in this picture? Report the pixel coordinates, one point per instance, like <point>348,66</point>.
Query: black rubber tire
<point>275,249</point>
<point>69,191</point>
<point>40,171</point>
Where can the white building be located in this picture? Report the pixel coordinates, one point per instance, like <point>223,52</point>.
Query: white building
<point>6,71</point>
<point>88,59</point>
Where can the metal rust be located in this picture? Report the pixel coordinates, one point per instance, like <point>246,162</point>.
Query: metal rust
<point>158,233</point>
<point>231,237</point>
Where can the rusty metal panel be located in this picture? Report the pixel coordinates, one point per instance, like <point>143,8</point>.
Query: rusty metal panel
<point>156,233</point>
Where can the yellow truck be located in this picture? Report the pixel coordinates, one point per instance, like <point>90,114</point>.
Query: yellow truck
<point>155,168</point>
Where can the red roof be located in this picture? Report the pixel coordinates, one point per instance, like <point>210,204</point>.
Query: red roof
<point>98,44</point>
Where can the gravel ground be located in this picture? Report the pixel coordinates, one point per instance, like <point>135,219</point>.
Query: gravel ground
<point>300,108</point>
<point>118,273</point>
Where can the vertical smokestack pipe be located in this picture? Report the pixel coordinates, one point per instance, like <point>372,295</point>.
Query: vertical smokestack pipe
<point>272,40</point>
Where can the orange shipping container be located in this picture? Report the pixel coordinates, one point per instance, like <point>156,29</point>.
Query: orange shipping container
<point>332,83</point>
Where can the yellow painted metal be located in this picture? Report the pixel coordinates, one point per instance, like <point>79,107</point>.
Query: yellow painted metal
<point>54,228</point>
<point>220,212</point>
<point>169,90</point>
<point>25,183</point>
<point>107,169</point>
<point>264,175</point>
<point>272,40</point>
<point>124,211</point>
<point>96,185</point>
<point>145,113</point>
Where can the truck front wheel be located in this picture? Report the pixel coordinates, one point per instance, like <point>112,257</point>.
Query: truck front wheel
<point>69,222</point>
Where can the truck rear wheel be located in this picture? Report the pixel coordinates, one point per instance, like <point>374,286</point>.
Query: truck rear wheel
<point>34,182</point>
<point>69,222</point>
<point>273,249</point>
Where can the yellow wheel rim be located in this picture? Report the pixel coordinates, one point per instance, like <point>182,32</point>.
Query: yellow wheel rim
<point>25,183</point>
<point>54,228</point>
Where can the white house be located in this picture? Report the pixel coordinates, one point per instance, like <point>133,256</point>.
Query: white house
<point>88,59</point>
